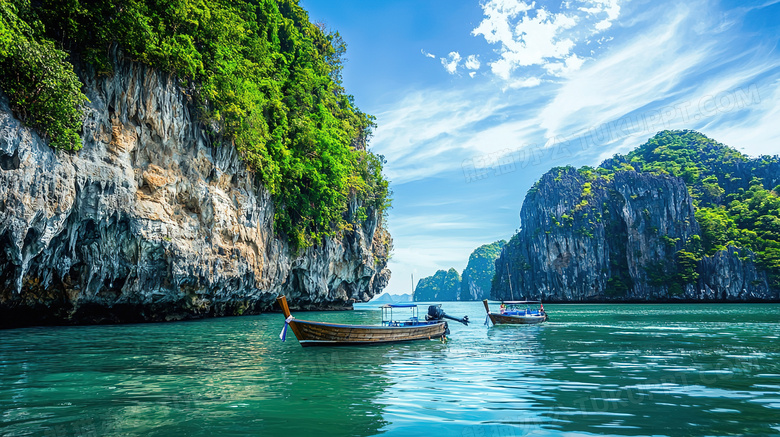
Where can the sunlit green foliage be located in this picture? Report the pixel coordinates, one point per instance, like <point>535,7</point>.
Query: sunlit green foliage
<point>691,156</point>
<point>42,89</point>
<point>717,228</point>
<point>731,211</point>
<point>265,78</point>
<point>444,285</point>
<point>756,218</point>
<point>687,260</point>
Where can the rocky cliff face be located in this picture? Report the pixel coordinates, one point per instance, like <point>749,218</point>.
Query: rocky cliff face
<point>479,272</point>
<point>150,221</point>
<point>586,237</point>
<point>731,275</point>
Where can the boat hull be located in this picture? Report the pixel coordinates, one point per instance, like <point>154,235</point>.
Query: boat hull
<point>331,334</point>
<point>517,319</point>
<point>499,319</point>
<point>328,334</point>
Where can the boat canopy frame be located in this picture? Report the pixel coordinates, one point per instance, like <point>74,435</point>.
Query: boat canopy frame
<point>519,302</point>
<point>387,315</point>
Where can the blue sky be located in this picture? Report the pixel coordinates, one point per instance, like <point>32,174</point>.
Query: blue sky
<point>475,100</point>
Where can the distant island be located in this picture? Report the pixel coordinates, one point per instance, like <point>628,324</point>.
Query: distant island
<point>392,298</point>
<point>473,284</point>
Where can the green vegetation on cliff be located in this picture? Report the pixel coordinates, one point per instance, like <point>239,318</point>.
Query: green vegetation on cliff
<point>443,285</point>
<point>733,197</point>
<point>265,79</point>
<point>478,274</point>
<point>733,205</point>
<point>680,217</point>
<point>42,88</point>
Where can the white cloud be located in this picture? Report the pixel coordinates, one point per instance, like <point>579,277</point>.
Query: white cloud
<point>472,62</point>
<point>526,82</point>
<point>427,55</point>
<point>450,63</point>
<point>570,65</point>
<point>426,132</point>
<point>472,74</point>
<point>660,79</point>
<point>603,25</point>
<point>610,7</point>
<point>531,36</point>
<point>537,39</point>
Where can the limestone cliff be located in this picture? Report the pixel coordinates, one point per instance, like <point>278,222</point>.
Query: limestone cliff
<point>617,235</point>
<point>480,270</point>
<point>152,221</point>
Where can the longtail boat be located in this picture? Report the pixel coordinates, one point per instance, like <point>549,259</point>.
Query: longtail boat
<point>517,313</point>
<point>333,334</point>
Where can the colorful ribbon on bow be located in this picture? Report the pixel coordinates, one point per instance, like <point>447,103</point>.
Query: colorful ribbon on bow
<point>283,334</point>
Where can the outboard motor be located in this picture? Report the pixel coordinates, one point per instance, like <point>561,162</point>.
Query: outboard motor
<point>436,313</point>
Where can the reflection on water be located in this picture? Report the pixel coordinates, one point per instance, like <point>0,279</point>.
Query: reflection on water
<point>592,370</point>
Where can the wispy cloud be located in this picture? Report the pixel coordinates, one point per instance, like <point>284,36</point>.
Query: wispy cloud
<point>644,69</point>
<point>678,63</point>
<point>672,56</point>
<point>436,222</point>
<point>755,130</point>
<point>427,55</point>
<point>429,131</point>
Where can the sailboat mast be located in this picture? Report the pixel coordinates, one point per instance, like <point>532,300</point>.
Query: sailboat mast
<point>509,275</point>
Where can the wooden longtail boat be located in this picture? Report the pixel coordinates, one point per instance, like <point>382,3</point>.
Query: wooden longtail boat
<point>512,313</point>
<point>334,334</point>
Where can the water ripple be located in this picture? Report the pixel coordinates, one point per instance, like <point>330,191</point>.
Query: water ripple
<point>624,370</point>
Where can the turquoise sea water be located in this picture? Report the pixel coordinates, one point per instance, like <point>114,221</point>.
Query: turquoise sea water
<point>627,370</point>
